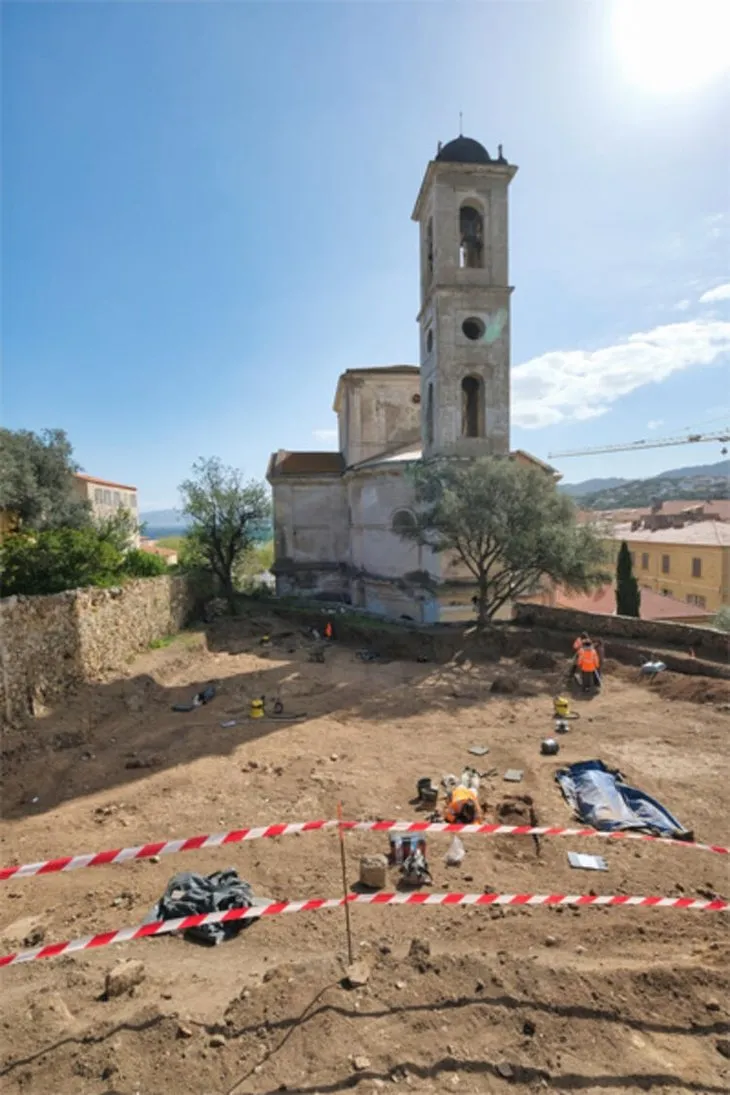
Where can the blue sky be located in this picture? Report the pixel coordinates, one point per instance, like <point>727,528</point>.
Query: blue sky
<point>206,219</point>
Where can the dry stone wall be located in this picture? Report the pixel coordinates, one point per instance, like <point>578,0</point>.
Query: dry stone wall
<point>49,645</point>
<point>704,641</point>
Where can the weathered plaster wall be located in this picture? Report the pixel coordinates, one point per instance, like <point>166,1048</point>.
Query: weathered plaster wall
<point>378,413</point>
<point>374,499</point>
<point>311,537</point>
<point>48,645</point>
<point>310,520</point>
<point>393,601</point>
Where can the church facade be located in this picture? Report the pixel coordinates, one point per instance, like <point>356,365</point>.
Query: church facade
<point>337,514</point>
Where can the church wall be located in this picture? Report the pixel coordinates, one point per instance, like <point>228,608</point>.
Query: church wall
<point>389,600</point>
<point>378,413</point>
<point>373,499</point>
<point>310,536</point>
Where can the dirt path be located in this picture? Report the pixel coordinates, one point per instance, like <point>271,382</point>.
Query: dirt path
<point>584,1000</point>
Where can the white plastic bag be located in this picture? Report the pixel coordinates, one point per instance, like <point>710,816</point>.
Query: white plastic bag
<point>455,853</point>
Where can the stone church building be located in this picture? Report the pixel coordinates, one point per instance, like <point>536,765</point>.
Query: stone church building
<point>337,514</point>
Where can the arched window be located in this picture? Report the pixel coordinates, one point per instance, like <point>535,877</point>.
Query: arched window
<point>471,237</point>
<point>429,415</point>
<point>471,407</point>
<point>403,521</point>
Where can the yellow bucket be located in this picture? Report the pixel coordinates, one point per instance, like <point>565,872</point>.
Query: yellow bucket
<point>562,707</point>
<point>257,709</point>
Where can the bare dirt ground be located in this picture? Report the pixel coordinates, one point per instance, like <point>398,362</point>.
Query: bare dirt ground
<point>583,1000</point>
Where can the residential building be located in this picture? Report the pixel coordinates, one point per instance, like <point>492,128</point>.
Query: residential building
<point>107,498</point>
<point>690,563</point>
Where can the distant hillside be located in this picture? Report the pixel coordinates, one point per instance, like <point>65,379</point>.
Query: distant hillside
<point>590,486</point>
<point>719,469</point>
<point>699,483</point>
<point>168,518</point>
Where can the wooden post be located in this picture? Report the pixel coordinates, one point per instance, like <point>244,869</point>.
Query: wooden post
<point>350,955</point>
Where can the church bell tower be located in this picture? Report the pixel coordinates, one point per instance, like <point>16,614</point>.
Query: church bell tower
<point>464,316</point>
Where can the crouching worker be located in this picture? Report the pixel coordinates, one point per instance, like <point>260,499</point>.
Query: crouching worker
<point>462,801</point>
<point>588,666</point>
<point>578,645</point>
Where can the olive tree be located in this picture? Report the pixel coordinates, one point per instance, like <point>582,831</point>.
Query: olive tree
<point>37,480</point>
<point>224,512</point>
<point>507,524</point>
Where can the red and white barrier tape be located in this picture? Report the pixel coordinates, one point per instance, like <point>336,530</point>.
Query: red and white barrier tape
<point>236,836</point>
<point>164,927</point>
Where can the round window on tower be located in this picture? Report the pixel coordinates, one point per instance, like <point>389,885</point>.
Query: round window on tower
<point>415,398</point>
<point>429,341</point>
<point>473,328</point>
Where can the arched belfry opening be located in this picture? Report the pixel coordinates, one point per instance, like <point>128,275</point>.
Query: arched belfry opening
<point>471,238</point>
<point>472,413</point>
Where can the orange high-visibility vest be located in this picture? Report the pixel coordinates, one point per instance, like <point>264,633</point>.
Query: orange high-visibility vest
<point>587,660</point>
<point>459,796</point>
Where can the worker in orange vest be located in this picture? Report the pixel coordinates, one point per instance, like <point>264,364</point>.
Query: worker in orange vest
<point>588,665</point>
<point>462,807</point>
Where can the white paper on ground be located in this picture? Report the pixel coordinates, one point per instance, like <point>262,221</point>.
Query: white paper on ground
<point>587,862</point>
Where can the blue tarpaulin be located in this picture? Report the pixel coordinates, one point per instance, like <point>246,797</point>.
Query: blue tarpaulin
<point>600,798</point>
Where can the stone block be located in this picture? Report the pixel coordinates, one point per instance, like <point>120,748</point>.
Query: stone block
<point>123,978</point>
<point>373,871</point>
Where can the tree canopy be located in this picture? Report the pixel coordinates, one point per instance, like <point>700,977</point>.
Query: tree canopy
<point>509,526</point>
<point>628,594</point>
<point>57,559</point>
<point>224,510</point>
<point>36,480</point>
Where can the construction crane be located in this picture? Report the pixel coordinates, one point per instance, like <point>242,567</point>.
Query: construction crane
<point>638,446</point>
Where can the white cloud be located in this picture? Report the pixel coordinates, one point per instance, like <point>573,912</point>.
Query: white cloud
<point>654,423</point>
<point>325,435</point>
<point>720,292</point>
<point>682,305</point>
<point>565,385</point>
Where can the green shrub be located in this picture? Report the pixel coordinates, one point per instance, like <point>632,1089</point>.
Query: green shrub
<point>722,619</point>
<point>142,564</point>
<point>49,562</point>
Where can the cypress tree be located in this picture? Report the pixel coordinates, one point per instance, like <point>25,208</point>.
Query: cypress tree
<point>628,594</point>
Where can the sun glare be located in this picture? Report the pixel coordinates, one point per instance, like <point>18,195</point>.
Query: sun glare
<point>672,45</point>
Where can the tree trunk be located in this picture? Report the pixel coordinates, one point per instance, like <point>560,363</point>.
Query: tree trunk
<point>229,592</point>
<point>482,605</point>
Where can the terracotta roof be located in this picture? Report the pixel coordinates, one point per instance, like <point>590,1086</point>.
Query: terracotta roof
<point>153,548</point>
<point>535,460</point>
<point>698,533</point>
<point>103,482</point>
<point>306,463</point>
<point>654,606</point>
<point>671,508</point>
<point>720,506</point>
